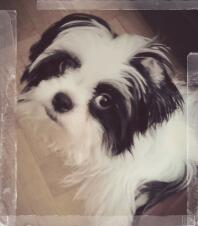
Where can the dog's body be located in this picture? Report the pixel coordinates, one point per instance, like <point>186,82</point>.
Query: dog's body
<point>124,118</point>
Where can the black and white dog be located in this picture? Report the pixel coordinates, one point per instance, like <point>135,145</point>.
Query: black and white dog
<point>122,116</point>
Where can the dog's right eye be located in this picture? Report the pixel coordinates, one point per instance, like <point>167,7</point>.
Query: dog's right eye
<point>103,101</point>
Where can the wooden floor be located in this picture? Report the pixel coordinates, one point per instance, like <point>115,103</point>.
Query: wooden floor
<point>40,171</point>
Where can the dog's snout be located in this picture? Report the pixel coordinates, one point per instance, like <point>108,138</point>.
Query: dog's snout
<point>62,102</point>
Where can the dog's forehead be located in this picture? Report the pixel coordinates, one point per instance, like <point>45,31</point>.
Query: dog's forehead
<point>93,45</point>
<point>89,44</point>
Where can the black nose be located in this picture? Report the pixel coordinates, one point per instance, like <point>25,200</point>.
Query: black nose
<point>62,102</point>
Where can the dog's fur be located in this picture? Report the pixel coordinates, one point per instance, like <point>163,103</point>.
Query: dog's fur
<point>126,130</point>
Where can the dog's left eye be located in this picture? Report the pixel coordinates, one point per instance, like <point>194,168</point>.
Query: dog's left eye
<point>103,101</point>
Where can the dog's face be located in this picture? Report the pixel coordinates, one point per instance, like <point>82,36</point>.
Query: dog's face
<point>103,89</point>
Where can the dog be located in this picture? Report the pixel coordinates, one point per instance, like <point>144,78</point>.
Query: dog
<point>122,111</point>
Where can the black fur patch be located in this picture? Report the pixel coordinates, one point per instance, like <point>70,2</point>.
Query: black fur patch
<point>158,191</point>
<point>115,120</point>
<point>161,99</point>
<point>51,66</point>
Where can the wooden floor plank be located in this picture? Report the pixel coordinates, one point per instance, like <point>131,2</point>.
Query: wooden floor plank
<point>32,189</point>
<point>133,23</point>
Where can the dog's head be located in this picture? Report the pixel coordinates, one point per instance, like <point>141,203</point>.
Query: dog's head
<point>102,88</point>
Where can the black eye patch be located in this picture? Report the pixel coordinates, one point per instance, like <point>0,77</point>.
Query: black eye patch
<point>114,120</point>
<point>52,66</point>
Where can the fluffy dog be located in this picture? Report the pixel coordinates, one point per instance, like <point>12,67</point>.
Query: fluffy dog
<point>122,115</point>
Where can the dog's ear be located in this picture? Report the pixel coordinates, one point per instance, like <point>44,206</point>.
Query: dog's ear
<point>162,97</point>
<point>70,21</point>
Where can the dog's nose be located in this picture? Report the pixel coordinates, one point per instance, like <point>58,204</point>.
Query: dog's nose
<point>62,102</point>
